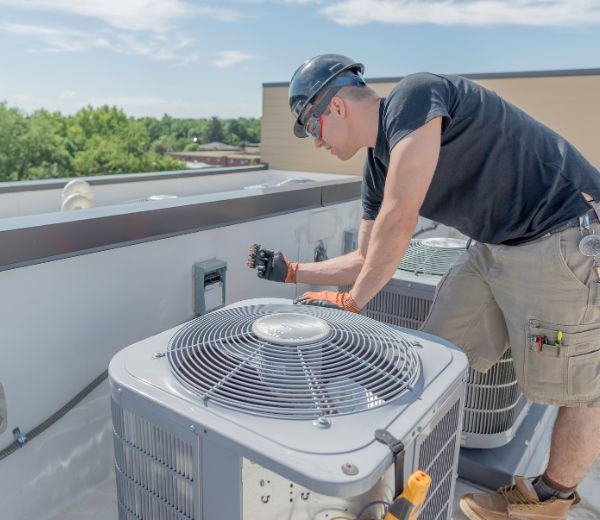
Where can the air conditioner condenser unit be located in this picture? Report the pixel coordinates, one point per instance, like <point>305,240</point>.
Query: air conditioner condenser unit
<point>494,406</point>
<point>265,410</point>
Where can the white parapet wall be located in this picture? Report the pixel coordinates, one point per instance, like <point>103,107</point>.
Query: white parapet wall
<point>64,317</point>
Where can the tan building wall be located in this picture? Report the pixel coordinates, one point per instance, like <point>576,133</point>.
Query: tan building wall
<point>566,101</point>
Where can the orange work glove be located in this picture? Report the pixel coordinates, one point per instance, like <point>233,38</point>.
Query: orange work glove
<point>336,300</point>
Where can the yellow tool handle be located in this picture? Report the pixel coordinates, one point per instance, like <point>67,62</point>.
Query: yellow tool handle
<point>408,504</point>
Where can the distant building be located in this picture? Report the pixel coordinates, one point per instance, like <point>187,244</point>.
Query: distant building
<point>219,155</point>
<point>216,146</point>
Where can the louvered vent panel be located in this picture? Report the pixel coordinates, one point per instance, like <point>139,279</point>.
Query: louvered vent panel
<point>432,256</point>
<point>436,457</point>
<point>154,470</point>
<point>398,309</point>
<point>494,400</point>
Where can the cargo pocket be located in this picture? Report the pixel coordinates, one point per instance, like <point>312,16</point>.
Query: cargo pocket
<point>583,373</point>
<point>567,373</point>
<point>575,266</point>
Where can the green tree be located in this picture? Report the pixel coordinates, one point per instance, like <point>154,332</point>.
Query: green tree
<point>214,131</point>
<point>49,151</point>
<point>12,153</point>
<point>98,141</point>
<point>163,145</point>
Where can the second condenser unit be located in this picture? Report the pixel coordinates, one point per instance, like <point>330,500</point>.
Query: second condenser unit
<point>494,406</point>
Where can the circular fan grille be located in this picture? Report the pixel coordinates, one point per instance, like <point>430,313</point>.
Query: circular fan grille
<point>432,256</point>
<point>360,364</point>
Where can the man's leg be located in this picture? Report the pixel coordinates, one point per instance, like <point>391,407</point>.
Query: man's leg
<point>548,293</point>
<point>465,312</point>
<point>575,445</point>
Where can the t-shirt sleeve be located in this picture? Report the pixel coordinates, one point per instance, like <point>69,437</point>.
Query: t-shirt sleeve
<point>370,196</point>
<point>416,100</point>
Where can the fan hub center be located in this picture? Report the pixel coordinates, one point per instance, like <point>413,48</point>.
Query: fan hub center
<point>291,328</point>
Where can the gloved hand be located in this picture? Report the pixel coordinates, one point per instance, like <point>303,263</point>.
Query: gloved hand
<point>335,300</point>
<point>272,265</point>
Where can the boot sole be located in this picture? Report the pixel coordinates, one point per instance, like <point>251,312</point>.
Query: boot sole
<point>471,515</point>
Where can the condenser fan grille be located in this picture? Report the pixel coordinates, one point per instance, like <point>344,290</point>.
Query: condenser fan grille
<point>432,256</point>
<point>354,363</point>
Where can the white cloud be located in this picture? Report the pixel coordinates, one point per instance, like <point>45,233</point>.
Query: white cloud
<point>137,15</point>
<point>148,28</point>
<point>552,13</point>
<point>176,49</point>
<point>280,2</point>
<point>55,39</point>
<point>227,59</point>
<point>300,2</point>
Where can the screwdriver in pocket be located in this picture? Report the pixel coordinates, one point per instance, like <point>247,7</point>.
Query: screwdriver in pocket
<point>559,341</point>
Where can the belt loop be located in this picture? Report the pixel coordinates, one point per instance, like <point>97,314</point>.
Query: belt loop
<point>595,294</point>
<point>596,207</point>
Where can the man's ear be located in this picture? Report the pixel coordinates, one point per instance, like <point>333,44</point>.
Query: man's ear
<point>338,106</point>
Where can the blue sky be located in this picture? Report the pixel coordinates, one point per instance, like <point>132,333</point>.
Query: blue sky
<point>198,59</point>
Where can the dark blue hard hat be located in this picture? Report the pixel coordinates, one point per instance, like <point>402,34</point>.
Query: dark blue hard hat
<point>326,71</point>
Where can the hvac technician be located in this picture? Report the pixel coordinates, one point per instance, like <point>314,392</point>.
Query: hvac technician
<point>448,149</point>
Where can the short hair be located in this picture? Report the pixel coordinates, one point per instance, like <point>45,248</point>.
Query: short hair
<point>357,93</point>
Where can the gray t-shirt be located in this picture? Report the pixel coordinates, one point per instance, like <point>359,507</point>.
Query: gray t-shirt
<point>502,177</point>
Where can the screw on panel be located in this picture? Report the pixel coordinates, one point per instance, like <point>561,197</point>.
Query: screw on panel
<point>350,469</point>
<point>322,422</point>
<point>20,437</point>
<point>158,355</point>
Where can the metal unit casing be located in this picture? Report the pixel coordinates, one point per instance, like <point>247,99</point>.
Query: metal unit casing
<point>179,457</point>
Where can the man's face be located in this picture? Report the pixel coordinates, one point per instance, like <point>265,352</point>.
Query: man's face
<point>330,131</point>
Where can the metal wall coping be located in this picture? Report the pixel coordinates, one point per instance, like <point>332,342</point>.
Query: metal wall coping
<point>482,75</point>
<point>35,239</point>
<point>54,184</point>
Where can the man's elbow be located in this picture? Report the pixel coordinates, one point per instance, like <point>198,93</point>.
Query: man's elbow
<point>400,222</point>
<point>360,256</point>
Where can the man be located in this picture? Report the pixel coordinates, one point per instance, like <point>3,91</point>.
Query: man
<point>450,150</point>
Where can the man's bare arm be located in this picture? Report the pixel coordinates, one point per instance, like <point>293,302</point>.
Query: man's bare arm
<point>412,164</point>
<point>341,270</point>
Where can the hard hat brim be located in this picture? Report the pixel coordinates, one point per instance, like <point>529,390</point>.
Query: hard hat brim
<point>299,130</point>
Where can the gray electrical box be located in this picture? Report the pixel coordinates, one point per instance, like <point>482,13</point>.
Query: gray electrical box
<point>209,285</point>
<point>350,240</point>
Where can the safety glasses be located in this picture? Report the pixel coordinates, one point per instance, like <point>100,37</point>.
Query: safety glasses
<point>314,127</point>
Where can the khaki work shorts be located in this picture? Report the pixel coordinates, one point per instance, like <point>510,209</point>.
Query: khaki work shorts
<point>496,296</point>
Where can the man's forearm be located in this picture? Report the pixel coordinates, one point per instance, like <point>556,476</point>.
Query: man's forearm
<point>341,270</point>
<point>388,245</point>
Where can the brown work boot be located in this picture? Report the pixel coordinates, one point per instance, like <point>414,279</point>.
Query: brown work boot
<point>517,502</point>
